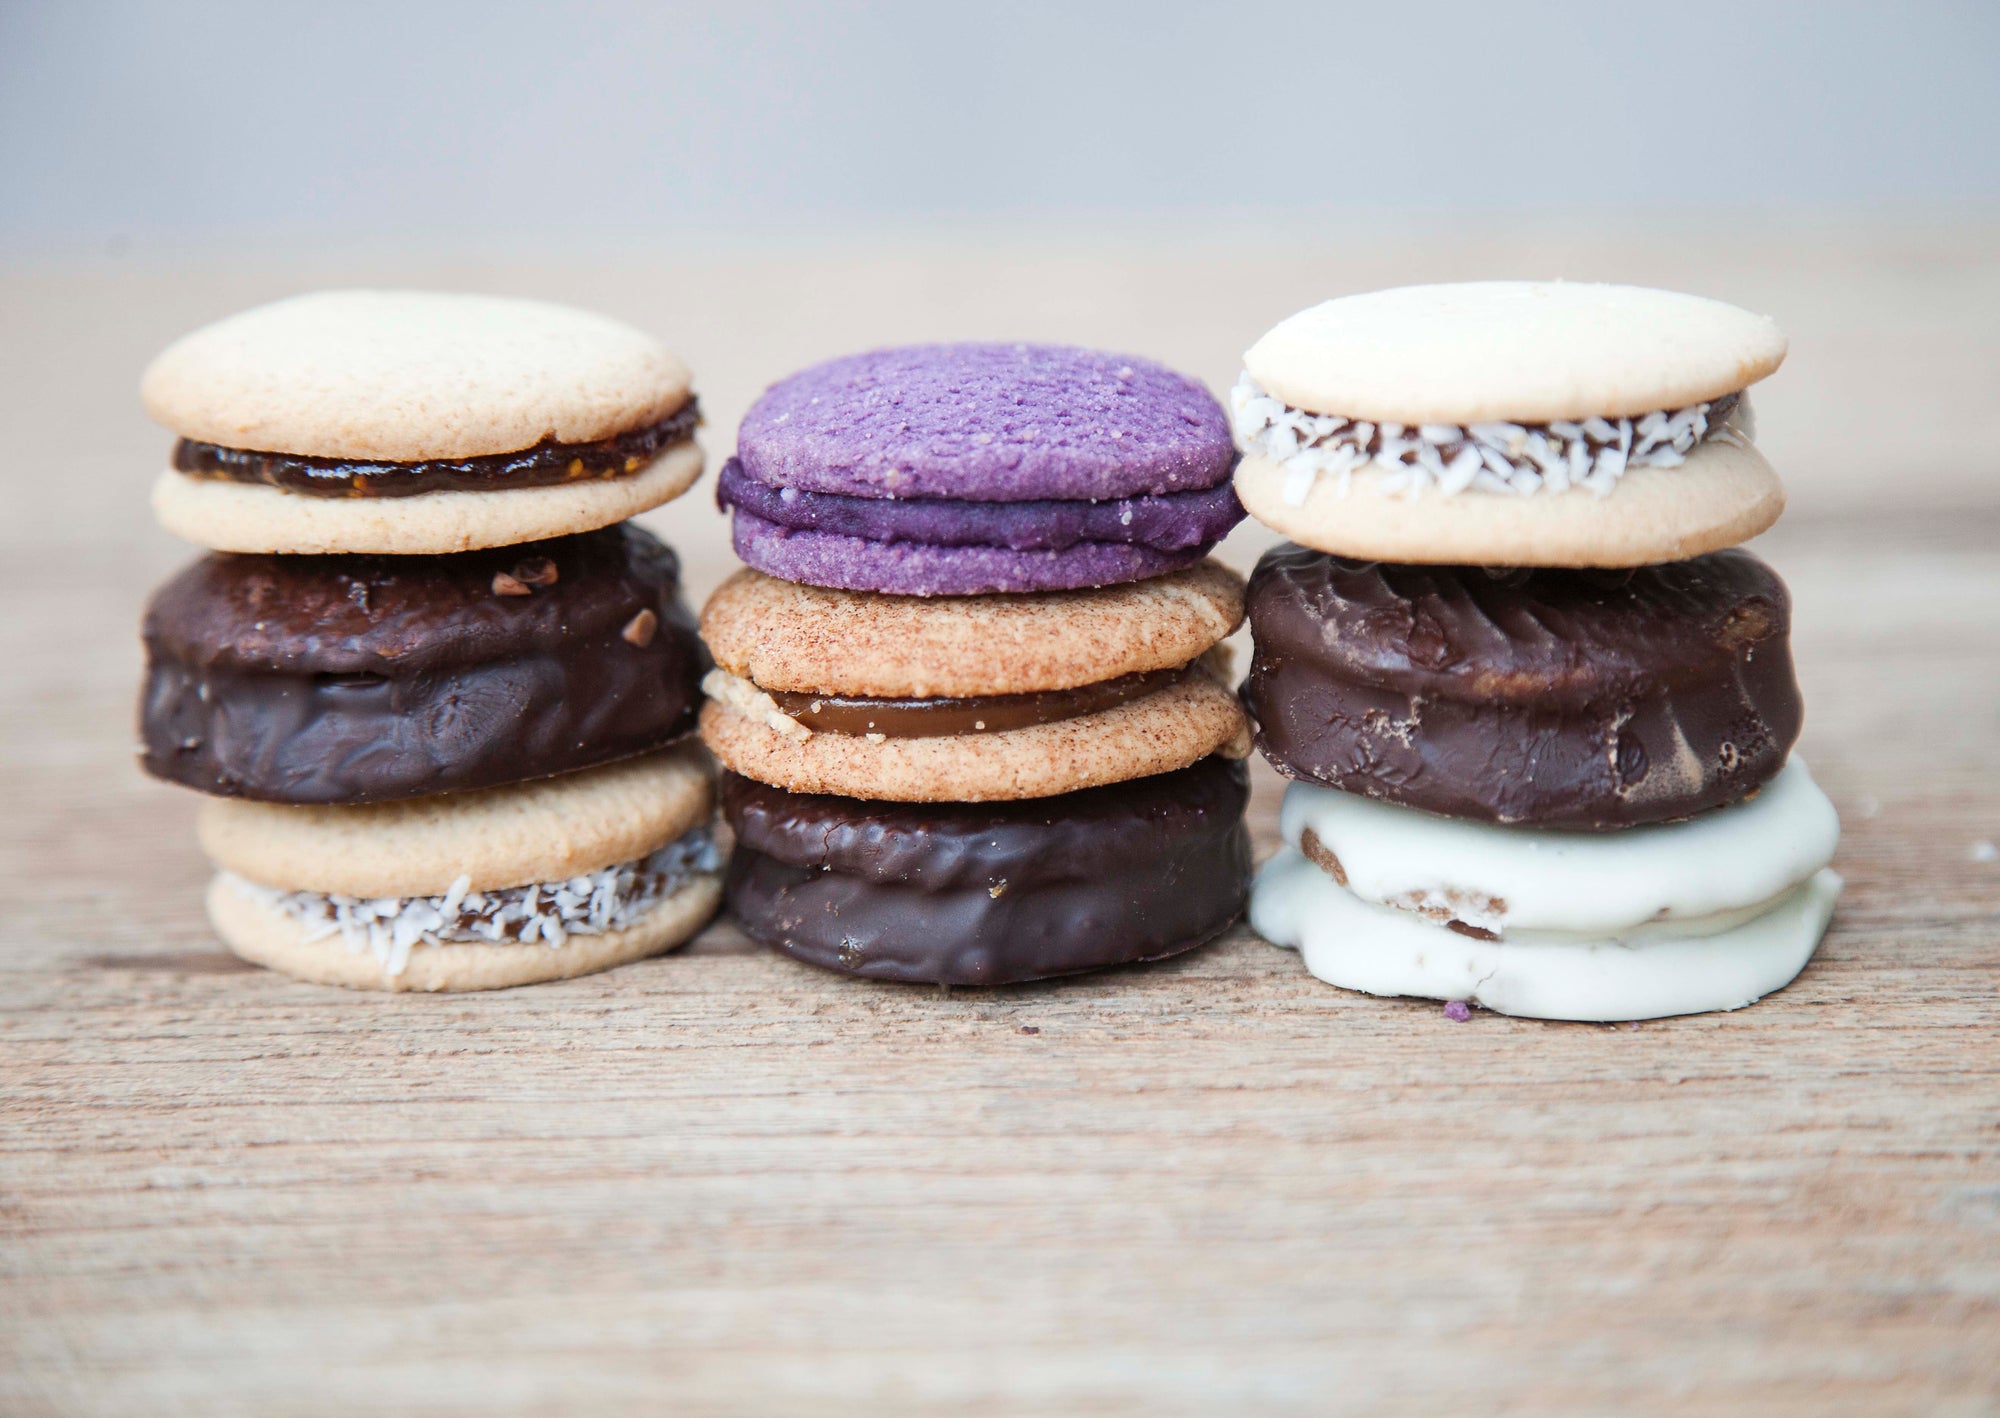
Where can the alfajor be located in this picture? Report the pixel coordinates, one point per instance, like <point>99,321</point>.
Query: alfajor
<point>1509,423</point>
<point>435,689</point>
<point>972,697</point>
<point>1539,713</point>
<point>962,469</point>
<point>470,891</point>
<point>411,422</point>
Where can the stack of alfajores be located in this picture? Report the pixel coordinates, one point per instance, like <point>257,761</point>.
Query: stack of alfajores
<point>1538,706</point>
<point>970,693</point>
<point>432,683</point>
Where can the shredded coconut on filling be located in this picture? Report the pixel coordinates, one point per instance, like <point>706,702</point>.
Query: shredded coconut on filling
<point>388,927</point>
<point>1451,458</point>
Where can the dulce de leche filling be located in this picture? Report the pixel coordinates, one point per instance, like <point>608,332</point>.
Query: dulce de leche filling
<point>981,714</point>
<point>544,465</point>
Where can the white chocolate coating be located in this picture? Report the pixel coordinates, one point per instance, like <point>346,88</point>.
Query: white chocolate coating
<point>1666,970</point>
<point>1597,884</point>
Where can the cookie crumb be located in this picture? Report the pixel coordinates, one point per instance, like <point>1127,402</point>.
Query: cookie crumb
<point>505,585</point>
<point>1457,1011</point>
<point>640,629</point>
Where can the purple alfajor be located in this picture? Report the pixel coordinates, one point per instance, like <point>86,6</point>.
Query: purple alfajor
<point>962,469</point>
<point>971,694</point>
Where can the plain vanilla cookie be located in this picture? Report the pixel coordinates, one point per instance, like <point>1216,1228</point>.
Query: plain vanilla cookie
<point>1509,423</point>
<point>1711,913</point>
<point>411,422</point>
<point>507,886</point>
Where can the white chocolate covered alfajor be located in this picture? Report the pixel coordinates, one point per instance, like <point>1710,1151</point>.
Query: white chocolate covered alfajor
<point>1707,914</point>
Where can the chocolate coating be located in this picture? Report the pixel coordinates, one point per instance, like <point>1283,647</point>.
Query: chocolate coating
<point>992,893</point>
<point>543,465</point>
<point>1573,699</point>
<point>353,679</point>
<point>975,714</point>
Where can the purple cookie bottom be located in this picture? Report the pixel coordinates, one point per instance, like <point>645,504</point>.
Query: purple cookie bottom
<point>915,569</point>
<point>1172,521</point>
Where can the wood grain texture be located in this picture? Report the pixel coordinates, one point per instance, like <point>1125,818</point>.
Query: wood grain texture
<point>720,1182</point>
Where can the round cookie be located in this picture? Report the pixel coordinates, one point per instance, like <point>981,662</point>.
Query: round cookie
<point>942,438</point>
<point>245,517</point>
<point>412,422</point>
<point>1518,351</point>
<point>987,423</point>
<point>1720,497</point>
<point>1168,729</point>
<point>783,636</point>
<point>987,895</point>
<point>1556,698</point>
<point>406,376</point>
<point>265,936</point>
<point>549,830</point>
<point>354,679</point>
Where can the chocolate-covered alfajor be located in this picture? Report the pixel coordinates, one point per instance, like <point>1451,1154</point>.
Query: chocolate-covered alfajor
<point>362,678</point>
<point>1539,712</point>
<point>1552,698</point>
<point>981,894</point>
<point>437,692</point>
<point>973,697</point>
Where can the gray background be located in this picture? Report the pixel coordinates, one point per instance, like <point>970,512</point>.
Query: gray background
<point>509,126</point>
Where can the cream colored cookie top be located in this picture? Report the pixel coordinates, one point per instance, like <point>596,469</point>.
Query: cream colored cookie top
<point>549,830</point>
<point>784,636</point>
<point>408,375</point>
<point>1514,351</point>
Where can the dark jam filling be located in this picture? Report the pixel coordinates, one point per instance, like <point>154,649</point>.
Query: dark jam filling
<point>544,465</point>
<point>982,714</point>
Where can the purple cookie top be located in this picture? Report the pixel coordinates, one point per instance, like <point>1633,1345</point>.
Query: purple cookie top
<point>915,569</point>
<point>987,423</point>
<point>1172,522</point>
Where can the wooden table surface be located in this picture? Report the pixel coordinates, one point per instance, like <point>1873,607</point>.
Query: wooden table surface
<point>723,1182</point>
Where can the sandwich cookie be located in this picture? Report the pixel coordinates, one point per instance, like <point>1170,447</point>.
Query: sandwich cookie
<point>970,699</point>
<point>410,422</point>
<point>356,679</point>
<point>471,891</point>
<point>1706,914</point>
<point>1554,698</point>
<point>987,894</point>
<point>1509,423</point>
<point>968,469</point>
